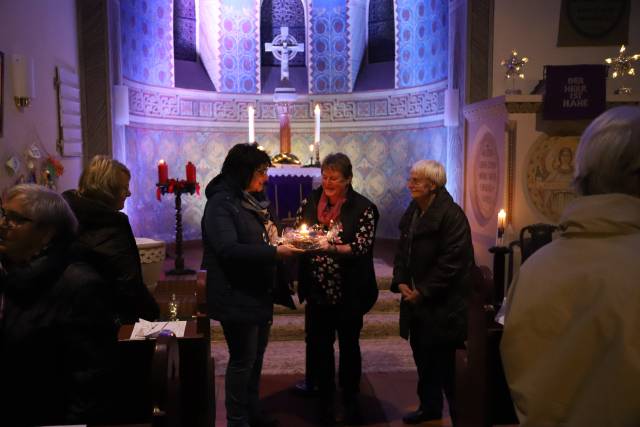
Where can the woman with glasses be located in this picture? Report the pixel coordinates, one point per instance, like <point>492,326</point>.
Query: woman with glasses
<point>56,333</point>
<point>105,236</point>
<point>431,270</point>
<point>240,256</point>
<point>338,283</point>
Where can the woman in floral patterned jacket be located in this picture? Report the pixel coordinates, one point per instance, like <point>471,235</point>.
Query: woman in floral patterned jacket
<point>338,282</point>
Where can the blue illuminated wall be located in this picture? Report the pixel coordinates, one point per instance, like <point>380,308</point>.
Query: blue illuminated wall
<point>421,42</point>
<point>146,29</point>
<point>329,56</point>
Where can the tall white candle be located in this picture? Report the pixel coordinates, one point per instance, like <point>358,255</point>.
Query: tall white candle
<point>502,223</point>
<point>252,132</point>
<point>317,113</point>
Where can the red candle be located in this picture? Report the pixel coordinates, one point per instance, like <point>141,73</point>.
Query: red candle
<point>191,172</point>
<point>163,172</point>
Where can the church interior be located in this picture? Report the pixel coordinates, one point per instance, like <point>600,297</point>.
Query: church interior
<point>170,83</point>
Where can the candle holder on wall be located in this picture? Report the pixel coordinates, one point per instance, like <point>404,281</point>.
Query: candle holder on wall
<point>178,188</point>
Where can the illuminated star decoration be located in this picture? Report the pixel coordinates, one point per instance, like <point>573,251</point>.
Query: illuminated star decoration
<point>621,66</point>
<point>514,67</point>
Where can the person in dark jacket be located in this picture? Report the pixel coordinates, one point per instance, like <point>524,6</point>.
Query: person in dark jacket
<point>338,283</point>
<point>57,336</point>
<point>431,270</point>
<point>240,256</point>
<point>106,237</point>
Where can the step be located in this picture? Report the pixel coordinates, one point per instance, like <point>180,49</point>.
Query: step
<point>392,354</point>
<point>287,328</point>
<point>387,302</point>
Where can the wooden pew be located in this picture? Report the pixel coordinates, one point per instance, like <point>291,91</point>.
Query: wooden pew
<point>483,397</point>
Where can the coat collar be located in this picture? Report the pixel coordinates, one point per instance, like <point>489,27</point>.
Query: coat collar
<point>431,219</point>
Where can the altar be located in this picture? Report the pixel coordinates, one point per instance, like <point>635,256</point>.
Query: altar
<point>288,186</point>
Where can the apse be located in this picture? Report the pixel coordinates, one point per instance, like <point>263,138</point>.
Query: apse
<point>378,70</point>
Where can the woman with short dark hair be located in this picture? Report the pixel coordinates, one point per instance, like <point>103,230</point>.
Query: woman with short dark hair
<point>106,238</point>
<point>57,337</point>
<point>240,255</point>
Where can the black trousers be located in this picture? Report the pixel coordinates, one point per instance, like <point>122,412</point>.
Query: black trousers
<point>436,373</point>
<point>324,322</point>
<point>247,343</point>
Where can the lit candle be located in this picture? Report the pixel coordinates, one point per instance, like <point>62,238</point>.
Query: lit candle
<point>163,172</point>
<point>304,230</point>
<point>312,148</point>
<point>317,113</point>
<point>191,172</point>
<point>502,222</point>
<point>252,132</point>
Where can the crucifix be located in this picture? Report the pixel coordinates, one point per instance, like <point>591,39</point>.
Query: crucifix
<point>284,47</point>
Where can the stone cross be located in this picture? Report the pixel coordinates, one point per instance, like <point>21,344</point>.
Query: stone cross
<point>284,48</point>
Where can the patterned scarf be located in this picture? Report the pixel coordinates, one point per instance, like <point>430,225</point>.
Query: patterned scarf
<point>250,203</point>
<point>327,212</point>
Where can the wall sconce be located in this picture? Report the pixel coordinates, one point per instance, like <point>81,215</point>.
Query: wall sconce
<point>24,88</point>
<point>121,105</point>
<point>451,107</point>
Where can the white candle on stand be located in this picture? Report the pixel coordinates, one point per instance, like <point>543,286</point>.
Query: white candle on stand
<point>317,114</point>
<point>502,223</point>
<point>252,132</point>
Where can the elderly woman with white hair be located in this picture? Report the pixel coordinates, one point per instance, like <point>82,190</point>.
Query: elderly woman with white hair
<point>431,270</point>
<point>571,343</point>
<point>56,333</point>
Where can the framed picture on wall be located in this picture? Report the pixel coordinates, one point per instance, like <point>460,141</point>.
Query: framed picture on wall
<point>1,91</point>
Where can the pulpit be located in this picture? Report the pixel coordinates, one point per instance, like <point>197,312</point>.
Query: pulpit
<point>289,186</point>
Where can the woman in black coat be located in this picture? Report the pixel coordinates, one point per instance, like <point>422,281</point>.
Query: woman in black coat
<point>338,283</point>
<point>57,337</point>
<point>106,238</point>
<point>431,270</point>
<point>240,256</point>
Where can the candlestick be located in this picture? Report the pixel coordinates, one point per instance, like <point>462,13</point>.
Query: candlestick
<point>252,133</point>
<point>191,172</point>
<point>317,114</point>
<point>163,172</point>
<point>502,222</point>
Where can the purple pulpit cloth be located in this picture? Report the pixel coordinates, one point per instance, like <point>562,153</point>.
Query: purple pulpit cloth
<point>288,186</point>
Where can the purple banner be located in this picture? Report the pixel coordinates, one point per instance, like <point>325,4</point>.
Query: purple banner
<point>574,91</point>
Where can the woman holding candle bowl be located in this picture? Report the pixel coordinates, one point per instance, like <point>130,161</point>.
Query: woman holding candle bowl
<point>240,256</point>
<point>338,282</point>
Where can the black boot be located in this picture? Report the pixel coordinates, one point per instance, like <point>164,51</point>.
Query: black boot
<point>352,412</point>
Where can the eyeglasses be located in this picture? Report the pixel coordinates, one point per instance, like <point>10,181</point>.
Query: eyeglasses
<point>12,220</point>
<point>262,171</point>
<point>417,181</point>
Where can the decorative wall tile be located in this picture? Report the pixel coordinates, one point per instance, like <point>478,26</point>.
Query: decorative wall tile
<point>381,162</point>
<point>147,41</point>
<point>421,42</point>
<point>329,50</point>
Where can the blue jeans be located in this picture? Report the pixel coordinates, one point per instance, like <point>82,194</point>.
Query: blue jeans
<point>247,343</point>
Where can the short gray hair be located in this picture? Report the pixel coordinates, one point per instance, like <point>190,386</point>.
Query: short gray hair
<point>47,209</point>
<point>432,170</point>
<point>608,156</point>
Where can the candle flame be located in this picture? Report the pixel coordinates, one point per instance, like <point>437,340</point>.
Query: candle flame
<point>317,109</point>
<point>502,214</point>
<point>161,162</point>
<point>304,229</point>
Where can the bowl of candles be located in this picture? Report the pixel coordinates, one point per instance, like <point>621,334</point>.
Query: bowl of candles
<point>304,237</point>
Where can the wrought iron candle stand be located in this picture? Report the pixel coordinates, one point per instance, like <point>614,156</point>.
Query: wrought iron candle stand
<point>178,188</point>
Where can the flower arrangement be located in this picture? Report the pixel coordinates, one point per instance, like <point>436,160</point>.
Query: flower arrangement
<point>177,186</point>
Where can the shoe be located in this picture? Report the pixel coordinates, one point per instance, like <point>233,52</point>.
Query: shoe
<point>352,413</point>
<point>326,413</point>
<point>263,420</point>
<point>304,389</point>
<point>418,416</point>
